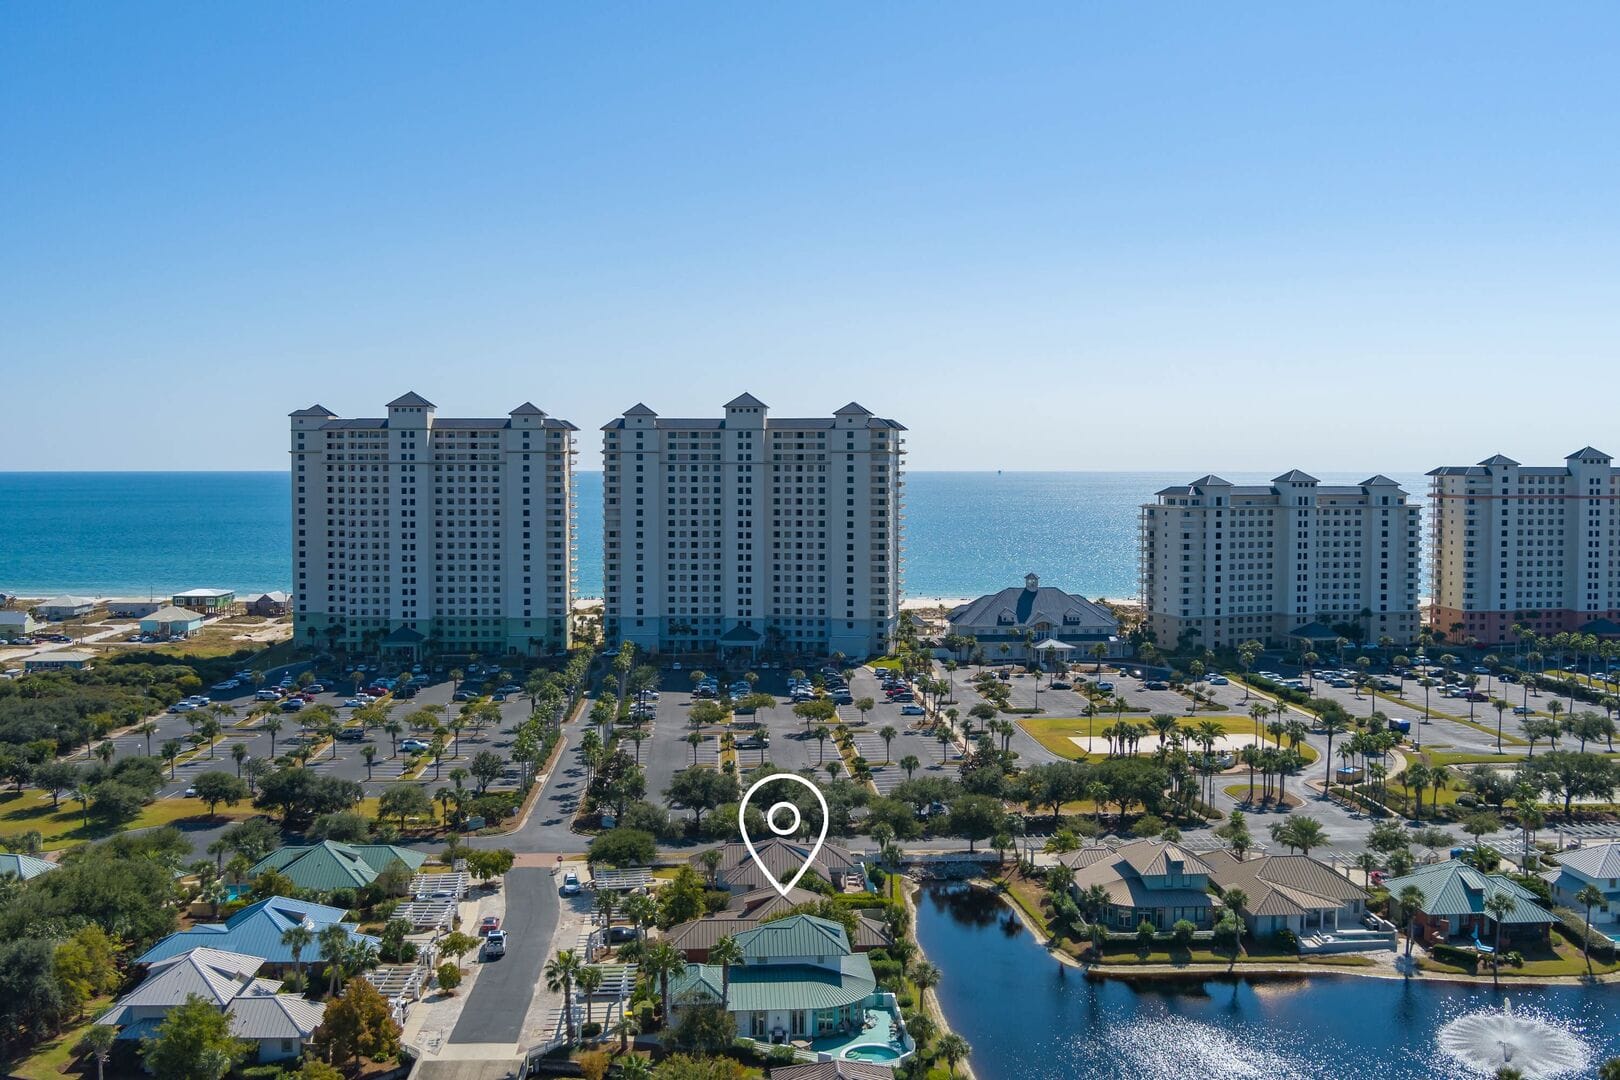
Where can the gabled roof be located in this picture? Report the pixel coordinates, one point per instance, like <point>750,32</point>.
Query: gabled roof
<point>275,596</point>
<point>796,935</point>
<point>1597,861</point>
<point>1283,884</point>
<point>403,635</point>
<point>782,858</point>
<point>1151,858</point>
<point>528,408</point>
<point>638,409</point>
<point>854,408</point>
<point>210,974</point>
<point>1498,459</point>
<point>1210,480</point>
<point>741,633</point>
<point>1586,452</point>
<point>759,902</point>
<point>1600,627</point>
<point>172,614</point>
<point>314,410</point>
<point>330,865</point>
<point>411,400</point>
<point>774,987</point>
<point>1295,476</point>
<point>23,867</point>
<point>1028,606</point>
<point>275,1016</point>
<point>255,931</point>
<point>1378,480</point>
<point>745,401</point>
<point>1453,889</point>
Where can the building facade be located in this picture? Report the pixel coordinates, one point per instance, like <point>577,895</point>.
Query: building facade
<point>1224,563</point>
<point>1535,546</point>
<point>1006,625</point>
<point>751,534</point>
<point>418,534</point>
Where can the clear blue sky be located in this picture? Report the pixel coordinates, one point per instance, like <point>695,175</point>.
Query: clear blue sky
<point>1079,235</point>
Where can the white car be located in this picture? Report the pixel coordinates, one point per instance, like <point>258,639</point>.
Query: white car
<point>570,885</point>
<point>353,703</point>
<point>1218,680</point>
<point>415,746</point>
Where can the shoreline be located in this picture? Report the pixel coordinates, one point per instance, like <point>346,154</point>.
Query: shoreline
<point>1270,971</point>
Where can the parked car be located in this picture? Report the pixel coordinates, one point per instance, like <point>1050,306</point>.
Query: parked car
<point>414,746</point>
<point>570,885</point>
<point>488,924</point>
<point>1105,686</point>
<point>911,710</point>
<point>495,945</point>
<point>292,704</point>
<point>1061,685</point>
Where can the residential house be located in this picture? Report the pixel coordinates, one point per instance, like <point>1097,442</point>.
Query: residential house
<point>257,931</point>
<point>739,872</point>
<point>1288,892</point>
<point>1154,880</point>
<point>16,624</point>
<point>133,609</point>
<point>270,605</point>
<point>23,867</point>
<point>748,910</point>
<point>60,660</point>
<point>329,865</point>
<point>277,1024</point>
<point>1598,866</point>
<point>799,979</point>
<point>171,622</point>
<point>1008,622</point>
<point>1453,907</point>
<point>205,601</point>
<point>63,608</point>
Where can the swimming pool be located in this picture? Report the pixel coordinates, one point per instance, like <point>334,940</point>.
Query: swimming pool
<point>872,1052</point>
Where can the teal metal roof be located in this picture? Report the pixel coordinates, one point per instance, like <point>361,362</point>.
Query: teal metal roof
<point>1453,889</point>
<point>23,867</point>
<point>329,865</point>
<point>779,986</point>
<point>796,935</point>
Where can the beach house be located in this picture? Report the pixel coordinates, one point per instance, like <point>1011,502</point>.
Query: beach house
<point>740,872</point>
<point>329,865</point>
<point>63,608</point>
<point>1597,866</point>
<point>257,930</point>
<point>1145,880</point>
<point>1453,906</point>
<point>171,622</point>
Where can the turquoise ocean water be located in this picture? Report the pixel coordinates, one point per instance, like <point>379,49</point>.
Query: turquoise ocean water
<point>967,533</point>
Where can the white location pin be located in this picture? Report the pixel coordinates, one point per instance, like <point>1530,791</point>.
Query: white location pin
<point>782,808</point>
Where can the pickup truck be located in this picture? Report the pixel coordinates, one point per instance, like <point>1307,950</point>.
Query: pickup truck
<point>495,944</point>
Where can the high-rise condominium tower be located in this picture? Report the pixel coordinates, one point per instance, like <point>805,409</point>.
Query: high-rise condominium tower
<point>1533,546</point>
<point>419,534</point>
<point>751,534</point>
<point>1281,562</point>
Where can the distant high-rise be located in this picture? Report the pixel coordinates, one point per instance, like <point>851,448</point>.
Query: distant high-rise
<point>1533,546</point>
<point>1276,563</point>
<point>751,534</point>
<point>422,535</point>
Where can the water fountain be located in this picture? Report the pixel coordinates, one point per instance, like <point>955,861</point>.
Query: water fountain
<point>1484,1041</point>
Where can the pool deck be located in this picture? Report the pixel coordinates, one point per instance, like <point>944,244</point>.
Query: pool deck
<point>881,1033</point>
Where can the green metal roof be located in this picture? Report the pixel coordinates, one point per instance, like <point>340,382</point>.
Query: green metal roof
<point>1453,889</point>
<point>769,987</point>
<point>329,865</point>
<point>796,935</point>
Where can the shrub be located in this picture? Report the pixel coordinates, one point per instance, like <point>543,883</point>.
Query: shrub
<point>1182,932</point>
<point>782,1055</point>
<point>1467,959</point>
<point>590,1030</point>
<point>449,976</point>
<point>1572,924</point>
<point>1287,940</point>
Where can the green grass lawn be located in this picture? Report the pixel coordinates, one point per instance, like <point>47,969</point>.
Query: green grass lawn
<point>51,1059</point>
<point>1559,958</point>
<point>64,826</point>
<point>1054,732</point>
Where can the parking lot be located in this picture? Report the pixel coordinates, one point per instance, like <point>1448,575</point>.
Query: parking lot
<point>343,758</point>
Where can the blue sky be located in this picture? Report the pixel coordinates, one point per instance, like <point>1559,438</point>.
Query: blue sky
<point>1087,236</point>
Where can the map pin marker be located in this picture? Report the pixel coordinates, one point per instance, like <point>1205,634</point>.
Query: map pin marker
<point>781,810</point>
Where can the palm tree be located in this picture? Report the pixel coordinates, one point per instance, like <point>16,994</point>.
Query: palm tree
<point>97,1042</point>
<point>1417,778</point>
<point>910,764</point>
<point>272,724</point>
<point>953,1048</point>
<point>589,981</point>
<point>725,953</point>
<point>298,938</point>
<point>1589,897</point>
<point>1498,906</point>
<point>1331,726</point>
<point>148,729</point>
<point>626,1028</point>
<point>660,960</point>
<point>1501,706</point>
<point>561,971</point>
<point>888,735</point>
<point>1411,901</point>
<point>334,944</point>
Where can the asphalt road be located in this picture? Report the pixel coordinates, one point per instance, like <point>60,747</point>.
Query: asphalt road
<point>495,1010</point>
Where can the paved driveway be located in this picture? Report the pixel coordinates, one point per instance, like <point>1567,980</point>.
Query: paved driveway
<point>499,1001</point>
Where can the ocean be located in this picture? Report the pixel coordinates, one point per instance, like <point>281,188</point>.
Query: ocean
<point>967,533</point>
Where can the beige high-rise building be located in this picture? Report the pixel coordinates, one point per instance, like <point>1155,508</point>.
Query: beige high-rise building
<point>752,534</point>
<point>1280,562</point>
<point>420,534</point>
<point>1535,546</point>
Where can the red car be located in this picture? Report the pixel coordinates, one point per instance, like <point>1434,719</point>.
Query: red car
<point>490,922</point>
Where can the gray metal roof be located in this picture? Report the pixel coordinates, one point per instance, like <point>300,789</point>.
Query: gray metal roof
<point>277,1016</point>
<point>411,400</point>
<point>1025,604</point>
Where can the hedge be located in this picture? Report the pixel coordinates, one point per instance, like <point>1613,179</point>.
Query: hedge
<point>1573,926</point>
<point>1451,954</point>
